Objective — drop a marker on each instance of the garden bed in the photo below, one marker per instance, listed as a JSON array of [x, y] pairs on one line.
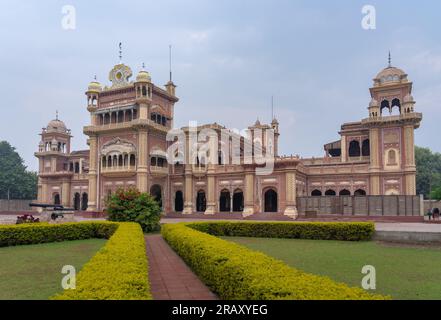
[[235, 272]]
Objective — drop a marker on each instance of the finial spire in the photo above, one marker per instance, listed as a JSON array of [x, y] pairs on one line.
[[390, 60], [272, 108], [94, 78], [143, 66], [170, 60], [56, 114], [120, 52]]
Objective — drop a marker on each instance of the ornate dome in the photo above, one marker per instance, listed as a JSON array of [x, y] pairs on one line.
[[373, 103], [390, 75], [56, 126], [143, 76], [408, 98], [94, 86]]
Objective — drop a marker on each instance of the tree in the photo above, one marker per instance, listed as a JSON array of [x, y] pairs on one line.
[[428, 166], [15, 181], [132, 205], [436, 193]]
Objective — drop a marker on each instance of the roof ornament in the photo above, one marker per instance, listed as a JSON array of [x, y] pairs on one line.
[[120, 52], [56, 114], [170, 60], [390, 60]]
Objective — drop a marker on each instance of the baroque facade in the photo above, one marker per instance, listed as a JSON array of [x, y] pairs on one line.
[[127, 139]]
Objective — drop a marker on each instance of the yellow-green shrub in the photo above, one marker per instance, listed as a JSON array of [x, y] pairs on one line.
[[348, 231], [119, 271], [235, 272], [11, 235]]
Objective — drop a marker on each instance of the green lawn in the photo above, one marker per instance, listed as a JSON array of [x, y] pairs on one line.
[[34, 271], [402, 272]]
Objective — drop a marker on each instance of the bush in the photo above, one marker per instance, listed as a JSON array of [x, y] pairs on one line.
[[119, 271], [132, 205], [348, 231], [236, 272], [33, 233]]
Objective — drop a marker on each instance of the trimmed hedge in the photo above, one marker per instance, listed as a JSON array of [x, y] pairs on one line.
[[238, 273], [12, 235], [347, 231], [118, 271]]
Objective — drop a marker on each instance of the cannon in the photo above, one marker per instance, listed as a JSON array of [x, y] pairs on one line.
[[55, 210]]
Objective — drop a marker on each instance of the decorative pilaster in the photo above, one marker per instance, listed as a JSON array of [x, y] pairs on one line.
[[290, 194], [142, 167], [93, 201], [65, 193], [249, 194], [211, 196], [375, 161], [188, 201]]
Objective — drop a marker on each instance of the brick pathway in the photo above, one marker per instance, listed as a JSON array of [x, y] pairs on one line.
[[170, 277]]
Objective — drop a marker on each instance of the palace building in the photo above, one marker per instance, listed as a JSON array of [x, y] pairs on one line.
[[129, 122]]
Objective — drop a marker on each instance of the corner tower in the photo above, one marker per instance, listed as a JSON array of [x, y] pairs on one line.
[[391, 123]]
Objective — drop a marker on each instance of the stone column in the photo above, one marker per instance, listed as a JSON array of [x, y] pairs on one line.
[[43, 197], [343, 149], [211, 196], [188, 199], [248, 209], [65, 193], [375, 165], [92, 203], [142, 167], [290, 194]]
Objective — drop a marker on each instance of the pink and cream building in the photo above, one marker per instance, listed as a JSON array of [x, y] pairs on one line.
[[129, 122]]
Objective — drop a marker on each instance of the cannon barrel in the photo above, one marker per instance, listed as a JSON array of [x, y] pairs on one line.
[[40, 205]]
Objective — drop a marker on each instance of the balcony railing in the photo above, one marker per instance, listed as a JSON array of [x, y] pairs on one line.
[[159, 170]]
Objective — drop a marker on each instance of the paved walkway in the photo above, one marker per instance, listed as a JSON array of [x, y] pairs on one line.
[[170, 277]]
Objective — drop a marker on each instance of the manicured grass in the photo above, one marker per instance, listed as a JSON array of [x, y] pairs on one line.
[[403, 272], [34, 271]]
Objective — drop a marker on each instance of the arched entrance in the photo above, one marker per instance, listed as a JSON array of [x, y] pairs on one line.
[[201, 202], [330, 193], [225, 201], [316, 193], [84, 201], [238, 201], [270, 201], [344, 192], [155, 192], [360, 193], [77, 201], [179, 201], [57, 199]]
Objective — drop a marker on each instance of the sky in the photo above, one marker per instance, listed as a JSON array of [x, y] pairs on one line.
[[229, 57]]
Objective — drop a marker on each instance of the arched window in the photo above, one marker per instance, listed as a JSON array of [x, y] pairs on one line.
[[359, 193], [316, 193], [330, 193], [344, 192], [384, 104], [144, 91], [238, 201], [395, 107], [155, 192], [84, 201], [201, 202], [179, 201], [365, 148], [270, 200], [57, 199], [132, 160], [354, 148], [77, 201], [391, 157], [224, 201], [120, 160]]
